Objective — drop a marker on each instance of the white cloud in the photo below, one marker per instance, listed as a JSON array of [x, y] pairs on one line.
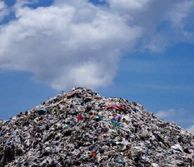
[[2, 5], [76, 43], [181, 116], [128, 4], [180, 12], [165, 114], [66, 45], [3, 10], [174, 29], [191, 129]]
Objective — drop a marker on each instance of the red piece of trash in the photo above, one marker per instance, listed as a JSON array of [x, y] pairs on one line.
[[93, 154], [80, 117], [116, 107]]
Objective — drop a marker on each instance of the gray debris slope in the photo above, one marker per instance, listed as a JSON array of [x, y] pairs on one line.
[[81, 128]]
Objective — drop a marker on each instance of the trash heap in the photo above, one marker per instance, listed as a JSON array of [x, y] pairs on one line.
[[81, 128]]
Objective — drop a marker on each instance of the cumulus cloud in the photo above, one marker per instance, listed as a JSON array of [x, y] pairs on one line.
[[67, 44], [75, 43]]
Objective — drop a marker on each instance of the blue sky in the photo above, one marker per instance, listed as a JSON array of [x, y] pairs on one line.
[[138, 50]]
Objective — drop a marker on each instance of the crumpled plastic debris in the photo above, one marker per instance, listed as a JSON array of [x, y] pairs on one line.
[[82, 128]]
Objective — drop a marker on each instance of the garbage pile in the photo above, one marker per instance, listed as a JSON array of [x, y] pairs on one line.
[[81, 128]]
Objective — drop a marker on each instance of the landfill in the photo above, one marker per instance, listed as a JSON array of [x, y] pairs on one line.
[[82, 128]]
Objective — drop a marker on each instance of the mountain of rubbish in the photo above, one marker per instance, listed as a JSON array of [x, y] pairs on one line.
[[82, 128]]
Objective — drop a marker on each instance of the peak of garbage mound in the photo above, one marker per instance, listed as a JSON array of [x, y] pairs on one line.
[[82, 128]]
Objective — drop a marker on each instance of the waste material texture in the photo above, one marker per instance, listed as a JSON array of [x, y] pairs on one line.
[[82, 128]]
